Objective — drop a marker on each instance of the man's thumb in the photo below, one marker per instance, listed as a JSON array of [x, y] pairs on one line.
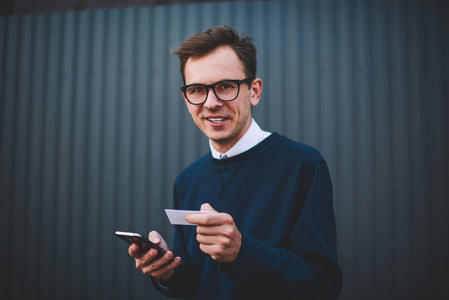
[[207, 207]]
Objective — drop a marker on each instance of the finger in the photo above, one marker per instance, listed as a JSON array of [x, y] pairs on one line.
[[220, 253], [133, 250], [146, 259], [168, 267], [211, 230], [150, 260], [214, 251], [212, 219], [155, 237], [173, 263], [211, 239], [207, 207], [163, 260]]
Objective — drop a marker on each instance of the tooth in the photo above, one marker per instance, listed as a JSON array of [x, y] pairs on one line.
[[216, 120]]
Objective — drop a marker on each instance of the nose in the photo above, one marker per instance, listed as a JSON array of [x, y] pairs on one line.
[[212, 101]]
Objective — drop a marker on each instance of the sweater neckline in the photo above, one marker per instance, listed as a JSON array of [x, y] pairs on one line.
[[243, 155]]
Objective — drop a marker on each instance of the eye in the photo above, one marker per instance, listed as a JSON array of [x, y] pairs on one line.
[[228, 85], [196, 89]]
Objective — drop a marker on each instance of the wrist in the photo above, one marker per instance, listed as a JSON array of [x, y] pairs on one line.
[[166, 279]]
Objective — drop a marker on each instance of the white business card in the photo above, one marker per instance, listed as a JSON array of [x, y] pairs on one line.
[[178, 217]]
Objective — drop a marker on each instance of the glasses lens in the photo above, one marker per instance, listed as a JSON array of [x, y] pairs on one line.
[[196, 93], [227, 90]]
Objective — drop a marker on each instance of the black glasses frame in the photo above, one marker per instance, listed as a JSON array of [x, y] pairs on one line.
[[212, 86]]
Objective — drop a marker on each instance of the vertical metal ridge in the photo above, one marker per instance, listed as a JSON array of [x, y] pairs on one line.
[[21, 145], [293, 70], [5, 212]]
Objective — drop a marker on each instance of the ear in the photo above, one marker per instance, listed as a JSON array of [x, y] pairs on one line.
[[256, 91]]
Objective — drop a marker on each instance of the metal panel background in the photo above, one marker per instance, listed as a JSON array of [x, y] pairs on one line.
[[93, 131]]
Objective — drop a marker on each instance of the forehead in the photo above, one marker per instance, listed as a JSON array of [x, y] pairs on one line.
[[223, 63]]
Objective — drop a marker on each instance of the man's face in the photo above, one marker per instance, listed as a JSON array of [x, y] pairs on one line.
[[224, 123]]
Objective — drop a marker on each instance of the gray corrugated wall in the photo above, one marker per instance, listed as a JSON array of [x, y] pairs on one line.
[[93, 131]]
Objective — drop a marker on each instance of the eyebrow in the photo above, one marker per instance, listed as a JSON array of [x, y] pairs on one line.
[[212, 82]]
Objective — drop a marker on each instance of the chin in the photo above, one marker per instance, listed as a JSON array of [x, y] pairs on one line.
[[219, 137]]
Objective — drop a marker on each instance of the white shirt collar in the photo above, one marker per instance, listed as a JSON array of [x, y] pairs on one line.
[[253, 136]]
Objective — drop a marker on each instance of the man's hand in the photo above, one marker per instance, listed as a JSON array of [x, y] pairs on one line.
[[161, 269], [217, 234]]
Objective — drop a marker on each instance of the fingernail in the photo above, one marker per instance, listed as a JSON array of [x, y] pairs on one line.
[[177, 260]]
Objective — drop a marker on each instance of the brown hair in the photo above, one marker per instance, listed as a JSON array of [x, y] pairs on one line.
[[204, 43]]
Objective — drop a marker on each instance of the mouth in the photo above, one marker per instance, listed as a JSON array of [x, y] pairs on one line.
[[216, 120]]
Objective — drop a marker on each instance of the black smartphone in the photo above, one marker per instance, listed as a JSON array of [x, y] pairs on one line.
[[144, 243]]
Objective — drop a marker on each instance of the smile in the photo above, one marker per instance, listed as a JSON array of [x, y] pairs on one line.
[[216, 120]]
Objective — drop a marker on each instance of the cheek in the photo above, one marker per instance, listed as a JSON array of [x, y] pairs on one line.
[[245, 107], [192, 109], [194, 113]]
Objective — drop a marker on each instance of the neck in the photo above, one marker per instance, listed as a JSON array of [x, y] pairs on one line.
[[223, 146]]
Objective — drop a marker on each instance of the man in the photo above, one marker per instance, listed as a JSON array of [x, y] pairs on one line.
[[270, 233]]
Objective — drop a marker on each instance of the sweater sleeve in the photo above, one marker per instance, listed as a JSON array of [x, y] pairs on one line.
[[181, 287], [308, 268]]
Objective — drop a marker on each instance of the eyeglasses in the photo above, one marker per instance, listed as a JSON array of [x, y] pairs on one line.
[[225, 90]]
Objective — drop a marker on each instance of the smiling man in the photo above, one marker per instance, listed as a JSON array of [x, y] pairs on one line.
[[222, 113], [270, 233]]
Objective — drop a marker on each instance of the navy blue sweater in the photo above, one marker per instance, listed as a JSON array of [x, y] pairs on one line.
[[280, 196]]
